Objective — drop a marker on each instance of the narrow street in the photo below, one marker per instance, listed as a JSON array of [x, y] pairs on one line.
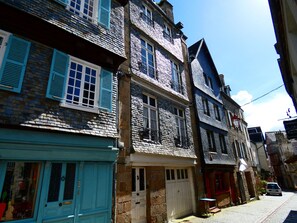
[[269, 209]]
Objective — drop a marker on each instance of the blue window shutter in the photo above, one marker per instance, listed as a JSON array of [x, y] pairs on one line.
[[63, 2], [105, 97], [104, 12], [58, 74], [14, 64]]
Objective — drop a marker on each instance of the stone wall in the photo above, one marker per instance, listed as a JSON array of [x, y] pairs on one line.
[[111, 39], [31, 107]]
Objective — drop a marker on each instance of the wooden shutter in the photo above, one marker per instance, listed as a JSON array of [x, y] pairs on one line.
[[58, 74], [63, 2], [104, 12], [105, 97], [14, 64]]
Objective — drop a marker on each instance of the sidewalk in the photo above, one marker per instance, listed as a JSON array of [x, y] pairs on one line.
[[256, 211]]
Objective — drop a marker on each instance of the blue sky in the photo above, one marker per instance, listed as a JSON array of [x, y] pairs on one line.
[[240, 37]]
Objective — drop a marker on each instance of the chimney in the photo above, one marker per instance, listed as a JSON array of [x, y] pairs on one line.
[[167, 8]]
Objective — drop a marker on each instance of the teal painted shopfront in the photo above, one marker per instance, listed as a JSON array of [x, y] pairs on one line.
[[55, 177]]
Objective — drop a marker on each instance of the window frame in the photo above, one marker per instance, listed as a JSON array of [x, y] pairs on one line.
[[80, 12], [223, 144], [205, 106], [96, 106], [145, 67], [147, 14], [180, 121], [167, 32], [211, 141], [217, 112], [150, 108], [175, 74], [5, 35]]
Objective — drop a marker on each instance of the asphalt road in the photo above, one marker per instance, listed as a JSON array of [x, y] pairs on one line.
[[269, 209]]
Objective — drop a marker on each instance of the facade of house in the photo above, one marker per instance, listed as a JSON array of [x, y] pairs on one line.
[[284, 18], [155, 169], [244, 175], [258, 147], [216, 155], [58, 108], [280, 150]]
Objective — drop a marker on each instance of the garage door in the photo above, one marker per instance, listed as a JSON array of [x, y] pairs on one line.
[[179, 194]]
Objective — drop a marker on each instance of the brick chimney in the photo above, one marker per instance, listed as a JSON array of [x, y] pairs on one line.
[[167, 8]]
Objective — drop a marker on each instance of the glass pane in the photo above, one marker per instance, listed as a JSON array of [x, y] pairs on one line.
[[167, 174], [19, 190], [133, 180], [186, 173], [172, 175], [69, 181], [178, 174], [55, 181], [141, 179]]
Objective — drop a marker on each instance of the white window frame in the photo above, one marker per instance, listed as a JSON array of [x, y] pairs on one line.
[[95, 108], [151, 108], [94, 18], [179, 115], [5, 35], [175, 69], [147, 14], [147, 52]]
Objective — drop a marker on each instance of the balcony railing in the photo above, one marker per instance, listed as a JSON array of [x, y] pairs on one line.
[[177, 86], [181, 141], [147, 19], [149, 134], [167, 36]]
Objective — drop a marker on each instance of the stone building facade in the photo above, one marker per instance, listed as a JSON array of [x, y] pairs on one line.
[[156, 164], [217, 159], [245, 169], [58, 109]]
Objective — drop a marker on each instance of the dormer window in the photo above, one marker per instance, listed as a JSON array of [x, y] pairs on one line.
[[147, 15], [167, 33]]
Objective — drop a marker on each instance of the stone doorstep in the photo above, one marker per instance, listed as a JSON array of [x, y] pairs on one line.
[[214, 210]]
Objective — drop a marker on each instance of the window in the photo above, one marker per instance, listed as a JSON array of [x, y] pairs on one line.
[[150, 123], [205, 79], [147, 15], [210, 83], [78, 84], [205, 106], [234, 150], [180, 137], [92, 10], [13, 60], [176, 77], [223, 144], [176, 174], [211, 142], [217, 112], [167, 33], [19, 192], [238, 148], [147, 59], [244, 152]]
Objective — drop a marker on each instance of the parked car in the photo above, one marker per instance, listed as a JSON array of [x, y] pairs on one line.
[[272, 188]]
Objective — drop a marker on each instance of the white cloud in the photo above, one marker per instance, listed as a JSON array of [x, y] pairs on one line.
[[267, 112]]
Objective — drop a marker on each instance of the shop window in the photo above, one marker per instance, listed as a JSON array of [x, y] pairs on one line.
[[19, 191]]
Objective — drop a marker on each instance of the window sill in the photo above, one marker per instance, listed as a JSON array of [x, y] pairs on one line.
[[80, 108]]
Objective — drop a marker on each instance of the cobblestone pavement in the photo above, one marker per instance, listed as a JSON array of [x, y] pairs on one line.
[[269, 209]]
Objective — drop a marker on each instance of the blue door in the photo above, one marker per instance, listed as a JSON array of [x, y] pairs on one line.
[[60, 184]]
